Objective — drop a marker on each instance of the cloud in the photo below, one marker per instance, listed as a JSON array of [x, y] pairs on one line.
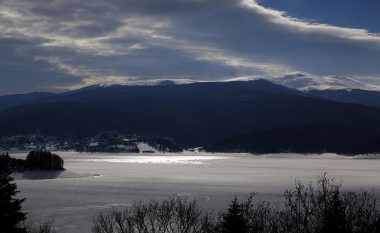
[[21, 70], [76, 43], [280, 18]]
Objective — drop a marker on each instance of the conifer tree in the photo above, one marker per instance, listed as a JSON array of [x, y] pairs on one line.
[[233, 221], [11, 215]]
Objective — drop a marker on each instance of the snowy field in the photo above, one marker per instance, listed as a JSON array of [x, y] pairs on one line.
[[100, 182]]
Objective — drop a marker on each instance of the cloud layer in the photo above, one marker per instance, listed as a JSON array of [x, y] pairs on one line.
[[66, 44]]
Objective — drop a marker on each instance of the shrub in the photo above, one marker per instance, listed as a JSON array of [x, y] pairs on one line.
[[174, 215], [314, 208], [44, 160], [45, 227], [325, 208], [322, 208]]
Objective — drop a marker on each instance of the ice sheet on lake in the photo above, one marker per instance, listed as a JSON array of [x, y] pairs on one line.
[[213, 179], [194, 160]]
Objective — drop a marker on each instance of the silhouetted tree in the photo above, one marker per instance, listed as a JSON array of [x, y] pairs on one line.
[[234, 220], [44, 160], [323, 208], [11, 215]]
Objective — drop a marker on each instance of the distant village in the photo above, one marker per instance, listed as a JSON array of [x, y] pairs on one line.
[[105, 142]]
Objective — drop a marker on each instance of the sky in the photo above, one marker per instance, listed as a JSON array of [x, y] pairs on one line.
[[57, 45]]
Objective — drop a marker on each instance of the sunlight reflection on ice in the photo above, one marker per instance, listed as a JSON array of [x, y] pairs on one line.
[[194, 160]]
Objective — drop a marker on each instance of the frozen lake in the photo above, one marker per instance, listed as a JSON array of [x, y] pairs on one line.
[[99, 182]]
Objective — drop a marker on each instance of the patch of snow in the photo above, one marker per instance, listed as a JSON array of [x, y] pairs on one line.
[[151, 82], [94, 144], [305, 82], [145, 147], [196, 149]]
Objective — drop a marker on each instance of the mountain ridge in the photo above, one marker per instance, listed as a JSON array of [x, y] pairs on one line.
[[193, 115], [329, 88], [305, 82]]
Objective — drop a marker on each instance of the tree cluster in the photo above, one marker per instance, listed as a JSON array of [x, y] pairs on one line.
[[319, 208], [44, 160], [174, 215]]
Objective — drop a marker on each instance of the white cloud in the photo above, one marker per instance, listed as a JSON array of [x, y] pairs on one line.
[[282, 19]]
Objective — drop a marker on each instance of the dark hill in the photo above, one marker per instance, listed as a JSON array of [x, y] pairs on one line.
[[369, 98], [196, 114], [356, 138], [10, 101]]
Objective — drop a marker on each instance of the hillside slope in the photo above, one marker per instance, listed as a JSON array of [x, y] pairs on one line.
[[197, 114]]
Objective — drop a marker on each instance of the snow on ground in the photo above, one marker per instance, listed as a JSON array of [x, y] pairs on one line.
[[304, 81], [145, 147]]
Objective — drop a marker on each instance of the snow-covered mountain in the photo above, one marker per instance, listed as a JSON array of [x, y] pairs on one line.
[[150, 82], [302, 81], [305, 82]]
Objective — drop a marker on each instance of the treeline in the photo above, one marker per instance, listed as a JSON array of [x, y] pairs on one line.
[[344, 139], [35, 160], [109, 142], [322, 208]]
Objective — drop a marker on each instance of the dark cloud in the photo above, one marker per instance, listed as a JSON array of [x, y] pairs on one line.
[[22, 71]]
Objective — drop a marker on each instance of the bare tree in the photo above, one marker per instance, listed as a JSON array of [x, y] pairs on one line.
[[313, 208], [173, 215], [45, 227]]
